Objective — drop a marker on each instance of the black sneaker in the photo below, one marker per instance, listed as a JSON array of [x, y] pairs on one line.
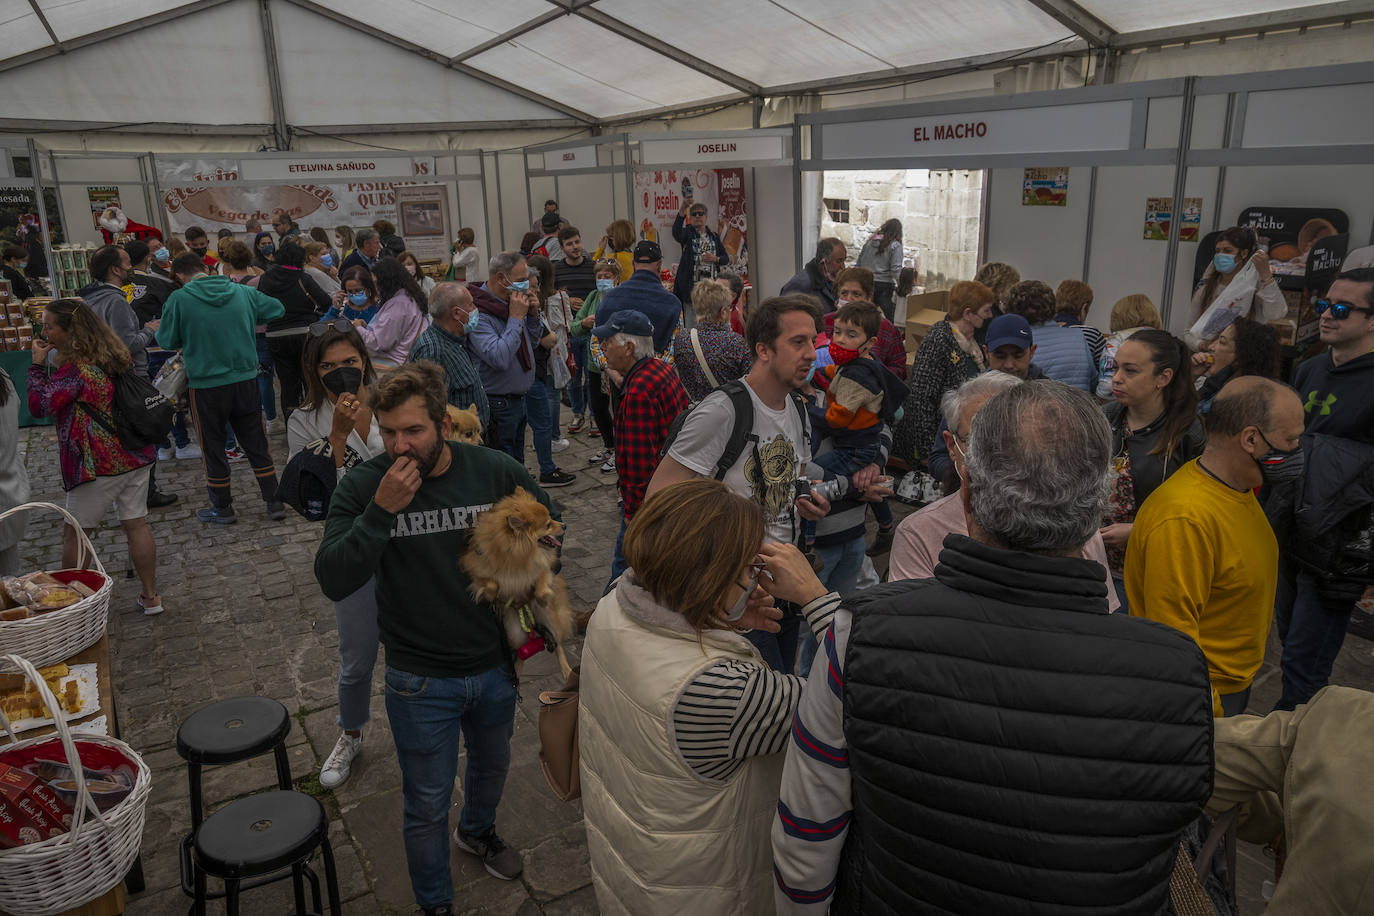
[[499, 859], [157, 499], [223, 516], [556, 478], [442, 909], [276, 511]]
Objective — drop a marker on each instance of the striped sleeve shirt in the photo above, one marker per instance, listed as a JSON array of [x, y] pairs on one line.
[[815, 800], [736, 710]]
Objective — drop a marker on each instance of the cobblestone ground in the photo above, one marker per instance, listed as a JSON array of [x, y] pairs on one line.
[[245, 616]]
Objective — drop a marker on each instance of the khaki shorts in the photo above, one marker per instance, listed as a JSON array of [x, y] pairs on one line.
[[128, 493]]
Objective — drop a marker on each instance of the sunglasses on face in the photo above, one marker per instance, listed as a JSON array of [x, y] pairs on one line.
[[341, 325], [1340, 310]]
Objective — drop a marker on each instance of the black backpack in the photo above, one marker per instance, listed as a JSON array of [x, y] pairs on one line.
[[742, 431], [142, 415]]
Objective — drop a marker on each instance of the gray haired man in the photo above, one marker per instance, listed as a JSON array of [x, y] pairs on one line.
[[996, 713], [452, 315], [369, 247]]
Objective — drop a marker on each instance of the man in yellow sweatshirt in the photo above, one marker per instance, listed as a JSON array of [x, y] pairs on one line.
[[1202, 557]]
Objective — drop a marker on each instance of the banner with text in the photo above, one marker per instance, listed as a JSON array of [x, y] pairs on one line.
[[214, 207], [660, 194]]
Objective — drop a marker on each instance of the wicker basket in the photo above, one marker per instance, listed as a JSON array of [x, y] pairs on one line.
[[67, 871], [46, 639]]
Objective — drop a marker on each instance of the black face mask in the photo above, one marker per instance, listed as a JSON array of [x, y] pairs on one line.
[[1278, 466], [344, 379]]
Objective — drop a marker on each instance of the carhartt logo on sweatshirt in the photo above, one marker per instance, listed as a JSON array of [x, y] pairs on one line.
[[433, 521]]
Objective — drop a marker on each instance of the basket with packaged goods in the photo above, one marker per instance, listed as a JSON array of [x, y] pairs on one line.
[[71, 811], [49, 617]]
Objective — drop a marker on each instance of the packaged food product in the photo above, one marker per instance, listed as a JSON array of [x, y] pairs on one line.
[[23, 819], [15, 779], [41, 593]]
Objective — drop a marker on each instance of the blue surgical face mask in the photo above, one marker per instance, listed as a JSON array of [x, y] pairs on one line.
[[162, 254], [358, 298], [810, 374], [327, 259], [1224, 263], [605, 284], [268, 250], [471, 325], [522, 286]]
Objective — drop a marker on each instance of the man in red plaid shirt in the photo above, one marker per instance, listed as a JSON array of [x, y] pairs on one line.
[[651, 397]]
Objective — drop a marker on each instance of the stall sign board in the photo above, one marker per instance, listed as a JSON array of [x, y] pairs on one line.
[[174, 172], [1045, 188], [578, 157], [660, 195], [337, 168], [1288, 234], [1090, 126], [229, 206], [723, 148], [422, 220]]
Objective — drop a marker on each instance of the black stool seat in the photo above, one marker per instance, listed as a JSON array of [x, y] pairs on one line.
[[260, 834], [233, 730]]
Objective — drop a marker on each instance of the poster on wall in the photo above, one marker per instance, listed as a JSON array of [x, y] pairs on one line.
[[661, 193], [229, 206], [18, 214], [1290, 234], [1159, 213], [422, 220], [101, 198], [1045, 188]]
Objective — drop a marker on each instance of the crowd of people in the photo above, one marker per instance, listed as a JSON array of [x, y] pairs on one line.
[[1120, 520]]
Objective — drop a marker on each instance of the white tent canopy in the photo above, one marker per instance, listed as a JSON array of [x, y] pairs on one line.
[[284, 69]]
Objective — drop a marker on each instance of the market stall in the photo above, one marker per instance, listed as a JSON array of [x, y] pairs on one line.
[[590, 177], [745, 179], [1117, 184]]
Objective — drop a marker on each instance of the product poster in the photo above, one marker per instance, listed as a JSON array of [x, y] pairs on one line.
[[1159, 212], [1291, 234], [422, 220], [101, 198], [229, 206], [18, 214], [661, 193], [1045, 188]]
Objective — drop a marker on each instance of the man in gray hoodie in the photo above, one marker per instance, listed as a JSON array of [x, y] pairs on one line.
[[111, 269]]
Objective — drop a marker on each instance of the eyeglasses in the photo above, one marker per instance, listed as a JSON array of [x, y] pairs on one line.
[[1340, 310], [342, 325], [756, 569]]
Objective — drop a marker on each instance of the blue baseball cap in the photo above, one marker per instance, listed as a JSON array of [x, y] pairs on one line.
[[1008, 330], [625, 321]]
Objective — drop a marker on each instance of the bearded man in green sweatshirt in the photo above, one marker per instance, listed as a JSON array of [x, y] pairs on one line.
[[405, 518]]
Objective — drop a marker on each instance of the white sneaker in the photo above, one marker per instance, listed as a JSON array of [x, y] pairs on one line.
[[609, 465], [165, 454], [274, 426], [560, 444], [340, 761], [189, 450]]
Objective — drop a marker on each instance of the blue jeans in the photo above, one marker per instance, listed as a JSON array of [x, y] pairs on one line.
[[179, 434], [577, 388], [779, 650], [427, 716], [540, 404], [1312, 629], [508, 424], [356, 617], [618, 565], [265, 373], [841, 572], [845, 462]]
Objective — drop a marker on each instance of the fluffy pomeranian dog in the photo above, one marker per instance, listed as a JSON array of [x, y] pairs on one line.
[[511, 560], [467, 425]]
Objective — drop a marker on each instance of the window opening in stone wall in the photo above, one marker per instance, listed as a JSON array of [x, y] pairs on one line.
[[838, 208]]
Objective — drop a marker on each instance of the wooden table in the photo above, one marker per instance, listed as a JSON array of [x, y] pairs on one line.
[[112, 902]]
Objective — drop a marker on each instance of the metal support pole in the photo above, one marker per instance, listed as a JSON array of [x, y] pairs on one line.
[[629, 180], [797, 201], [1185, 142], [280, 132], [1088, 232], [529, 204], [757, 105], [1221, 169], [500, 204], [486, 211], [36, 171]]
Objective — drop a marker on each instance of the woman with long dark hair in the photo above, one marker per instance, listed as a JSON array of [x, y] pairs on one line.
[[335, 412], [1235, 247], [264, 251], [1155, 431], [399, 320], [1245, 348], [97, 470], [883, 254], [357, 296]]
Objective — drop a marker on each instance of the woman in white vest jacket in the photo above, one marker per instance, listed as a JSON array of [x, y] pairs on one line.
[[681, 723]]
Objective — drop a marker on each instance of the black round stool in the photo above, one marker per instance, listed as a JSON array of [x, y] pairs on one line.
[[259, 835], [229, 731]]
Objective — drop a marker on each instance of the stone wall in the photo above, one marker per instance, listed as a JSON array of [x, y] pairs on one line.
[[939, 210]]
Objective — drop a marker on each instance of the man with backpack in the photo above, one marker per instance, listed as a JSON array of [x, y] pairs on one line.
[[754, 435], [211, 320], [548, 245]]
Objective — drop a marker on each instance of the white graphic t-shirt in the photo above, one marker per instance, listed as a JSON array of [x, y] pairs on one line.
[[764, 473]]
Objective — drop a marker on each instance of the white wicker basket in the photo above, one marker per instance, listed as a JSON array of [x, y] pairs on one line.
[[67, 871], [46, 639]]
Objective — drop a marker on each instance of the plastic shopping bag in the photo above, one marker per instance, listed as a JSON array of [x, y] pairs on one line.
[[1231, 303]]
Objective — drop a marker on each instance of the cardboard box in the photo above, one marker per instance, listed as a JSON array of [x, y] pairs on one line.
[[922, 313]]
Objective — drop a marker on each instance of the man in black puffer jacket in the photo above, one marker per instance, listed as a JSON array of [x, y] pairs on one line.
[[991, 740], [304, 301]]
